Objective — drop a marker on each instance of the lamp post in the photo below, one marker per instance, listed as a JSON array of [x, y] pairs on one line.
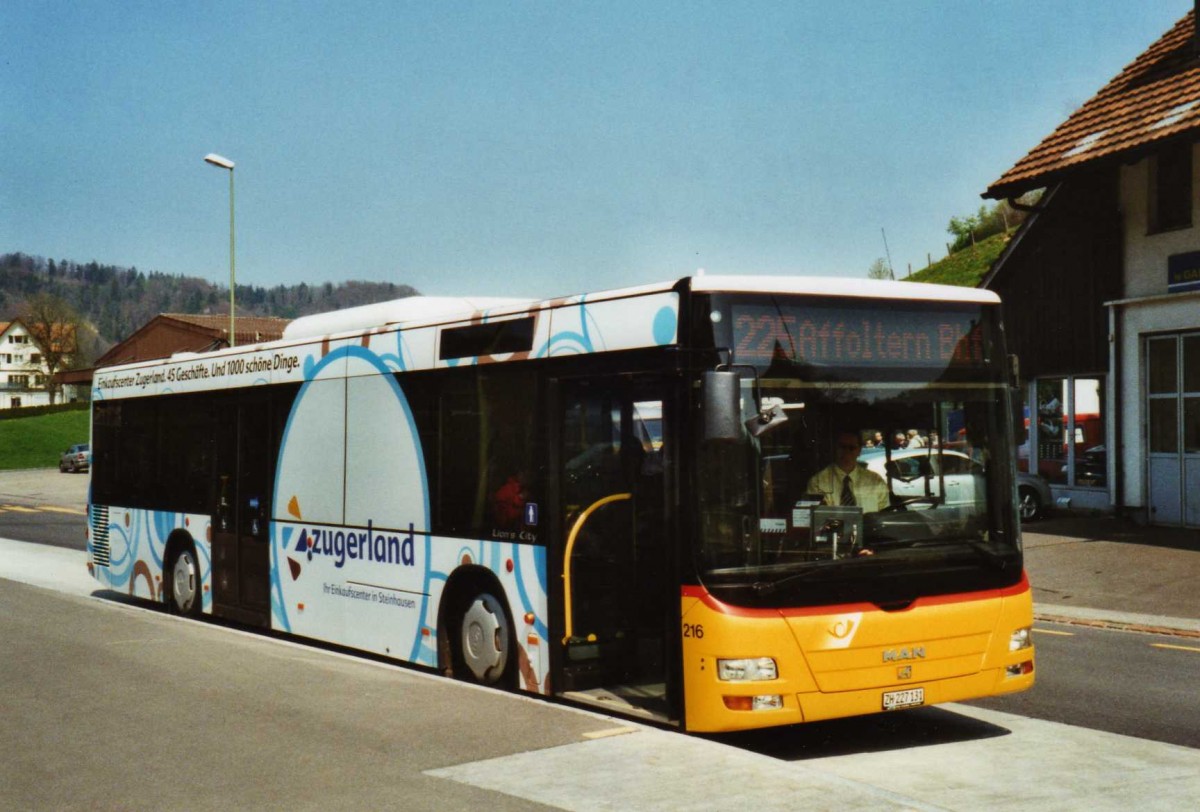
[[224, 163]]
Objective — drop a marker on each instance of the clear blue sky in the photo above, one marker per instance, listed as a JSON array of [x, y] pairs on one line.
[[530, 148]]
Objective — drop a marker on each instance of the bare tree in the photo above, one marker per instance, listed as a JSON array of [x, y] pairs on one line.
[[54, 326], [879, 270]]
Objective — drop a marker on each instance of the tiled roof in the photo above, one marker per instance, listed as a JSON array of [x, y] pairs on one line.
[[63, 335], [1157, 97], [250, 329]]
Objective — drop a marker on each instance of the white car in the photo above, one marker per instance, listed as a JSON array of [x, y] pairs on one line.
[[920, 472]]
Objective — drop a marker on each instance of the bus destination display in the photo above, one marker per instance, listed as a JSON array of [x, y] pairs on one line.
[[857, 337]]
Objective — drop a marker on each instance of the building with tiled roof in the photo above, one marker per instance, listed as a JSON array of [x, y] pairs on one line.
[[1102, 290], [1155, 99], [23, 370], [169, 333]]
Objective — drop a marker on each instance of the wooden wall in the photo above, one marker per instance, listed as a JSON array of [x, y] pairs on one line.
[[1057, 275]]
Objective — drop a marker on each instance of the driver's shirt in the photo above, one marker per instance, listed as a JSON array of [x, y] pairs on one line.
[[870, 489]]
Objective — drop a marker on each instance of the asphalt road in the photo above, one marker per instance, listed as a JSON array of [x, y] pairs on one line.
[[44, 506], [111, 707], [1135, 684]]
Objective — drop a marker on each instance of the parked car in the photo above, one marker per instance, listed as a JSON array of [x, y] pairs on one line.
[[1033, 496], [75, 459], [911, 468]]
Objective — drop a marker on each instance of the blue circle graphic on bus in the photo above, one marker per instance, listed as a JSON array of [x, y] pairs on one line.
[[664, 326], [351, 504]]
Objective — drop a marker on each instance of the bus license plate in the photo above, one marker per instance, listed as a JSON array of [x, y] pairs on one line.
[[895, 700]]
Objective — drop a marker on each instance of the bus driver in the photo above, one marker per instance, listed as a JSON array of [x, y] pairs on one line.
[[845, 482]]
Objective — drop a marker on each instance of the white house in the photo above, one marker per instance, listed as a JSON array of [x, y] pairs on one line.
[[23, 372]]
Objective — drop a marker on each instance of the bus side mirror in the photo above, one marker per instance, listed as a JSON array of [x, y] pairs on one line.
[[721, 394]]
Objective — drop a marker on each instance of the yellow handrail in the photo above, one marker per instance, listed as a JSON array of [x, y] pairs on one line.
[[583, 517]]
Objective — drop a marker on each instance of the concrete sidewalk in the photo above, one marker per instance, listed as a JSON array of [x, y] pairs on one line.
[[1112, 572]]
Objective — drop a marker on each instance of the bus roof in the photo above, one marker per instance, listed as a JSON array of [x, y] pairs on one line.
[[842, 286], [425, 310], [604, 321]]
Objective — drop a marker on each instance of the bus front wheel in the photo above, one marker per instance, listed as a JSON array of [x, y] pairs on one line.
[[183, 583], [484, 640]]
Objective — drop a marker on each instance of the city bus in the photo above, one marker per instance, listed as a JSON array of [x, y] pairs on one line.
[[605, 498]]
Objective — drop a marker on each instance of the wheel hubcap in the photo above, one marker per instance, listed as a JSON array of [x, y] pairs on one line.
[[485, 638], [184, 582]]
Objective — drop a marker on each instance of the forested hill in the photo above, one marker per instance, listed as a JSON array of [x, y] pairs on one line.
[[116, 301]]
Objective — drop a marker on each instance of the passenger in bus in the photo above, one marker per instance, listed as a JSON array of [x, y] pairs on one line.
[[508, 502], [845, 482]]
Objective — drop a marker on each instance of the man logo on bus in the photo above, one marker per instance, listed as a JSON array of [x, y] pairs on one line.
[[355, 545]]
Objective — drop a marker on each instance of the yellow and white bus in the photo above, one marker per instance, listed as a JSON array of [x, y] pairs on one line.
[[607, 498]]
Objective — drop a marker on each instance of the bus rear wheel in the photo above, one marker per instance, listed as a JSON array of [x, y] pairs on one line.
[[183, 583], [484, 640]]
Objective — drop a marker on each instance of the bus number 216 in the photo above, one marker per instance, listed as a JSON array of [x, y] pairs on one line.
[[695, 630]]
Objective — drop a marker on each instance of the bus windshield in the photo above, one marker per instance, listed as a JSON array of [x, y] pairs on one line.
[[874, 463]]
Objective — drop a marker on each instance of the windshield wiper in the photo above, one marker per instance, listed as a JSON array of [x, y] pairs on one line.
[[983, 551], [993, 559], [812, 573]]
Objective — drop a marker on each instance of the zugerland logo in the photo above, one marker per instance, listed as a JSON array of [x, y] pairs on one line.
[[358, 545]]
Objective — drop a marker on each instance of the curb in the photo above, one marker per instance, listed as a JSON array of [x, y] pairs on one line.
[[1100, 619]]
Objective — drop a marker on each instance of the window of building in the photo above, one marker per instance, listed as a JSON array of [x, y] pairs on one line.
[[1170, 193], [1069, 432]]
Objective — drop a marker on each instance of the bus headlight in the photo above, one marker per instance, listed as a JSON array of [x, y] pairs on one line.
[[1020, 639], [750, 669]]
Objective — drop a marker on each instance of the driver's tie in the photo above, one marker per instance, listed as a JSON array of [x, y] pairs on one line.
[[847, 494]]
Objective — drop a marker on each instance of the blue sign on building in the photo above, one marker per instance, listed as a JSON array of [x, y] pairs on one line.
[[1183, 272]]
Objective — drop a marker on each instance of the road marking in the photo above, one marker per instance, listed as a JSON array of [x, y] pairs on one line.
[[1175, 648], [55, 509], [1054, 632], [140, 642], [612, 731], [42, 509]]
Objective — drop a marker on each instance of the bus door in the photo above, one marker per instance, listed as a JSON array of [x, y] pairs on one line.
[[615, 551], [240, 537]]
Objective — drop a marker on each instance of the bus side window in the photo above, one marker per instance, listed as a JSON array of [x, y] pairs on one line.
[[485, 470]]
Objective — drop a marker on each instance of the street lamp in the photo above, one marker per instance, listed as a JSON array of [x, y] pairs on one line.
[[224, 163]]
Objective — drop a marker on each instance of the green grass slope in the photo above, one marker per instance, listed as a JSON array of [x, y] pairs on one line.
[[36, 442], [967, 267]]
